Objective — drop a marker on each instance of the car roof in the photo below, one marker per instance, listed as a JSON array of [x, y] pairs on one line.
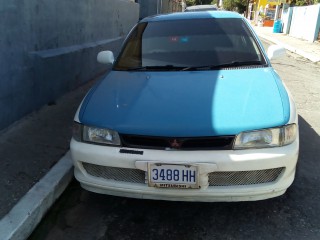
[[200, 7], [191, 15]]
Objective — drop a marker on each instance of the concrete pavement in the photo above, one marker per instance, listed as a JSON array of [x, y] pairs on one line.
[[301, 47], [33, 177]]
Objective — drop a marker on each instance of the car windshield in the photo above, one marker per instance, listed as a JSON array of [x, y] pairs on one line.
[[189, 44]]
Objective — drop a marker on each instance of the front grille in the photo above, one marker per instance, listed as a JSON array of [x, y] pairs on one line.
[[182, 143], [215, 178], [244, 177], [117, 174]]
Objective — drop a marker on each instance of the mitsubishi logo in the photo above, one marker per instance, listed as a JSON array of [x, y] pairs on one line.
[[175, 144]]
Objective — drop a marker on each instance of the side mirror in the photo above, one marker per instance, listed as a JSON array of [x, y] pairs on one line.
[[105, 57], [276, 51]]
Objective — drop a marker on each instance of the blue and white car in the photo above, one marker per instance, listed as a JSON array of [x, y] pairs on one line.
[[192, 110]]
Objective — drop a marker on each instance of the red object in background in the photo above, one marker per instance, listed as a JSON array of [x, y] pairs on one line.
[[268, 23]]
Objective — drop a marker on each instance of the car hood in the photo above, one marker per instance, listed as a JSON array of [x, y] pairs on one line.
[[185, 104]]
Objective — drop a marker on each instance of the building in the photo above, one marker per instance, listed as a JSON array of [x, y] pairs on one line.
[[264, 12]]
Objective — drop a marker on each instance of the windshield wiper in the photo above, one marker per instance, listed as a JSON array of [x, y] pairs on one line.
[[157, 68], [224, 65]]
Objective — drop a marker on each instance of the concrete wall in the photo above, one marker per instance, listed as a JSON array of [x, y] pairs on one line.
[[148, 7], [305, 22], [153, 7], [49, 47], [168, 6], [286, 17]]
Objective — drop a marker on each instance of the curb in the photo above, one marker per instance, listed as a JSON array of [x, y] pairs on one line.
[[304, 54], [28, 212]]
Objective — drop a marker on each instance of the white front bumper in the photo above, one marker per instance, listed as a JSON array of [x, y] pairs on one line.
[[208, 161]]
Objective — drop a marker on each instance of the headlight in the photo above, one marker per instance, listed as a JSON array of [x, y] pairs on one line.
[[95, 135], [265, 138]]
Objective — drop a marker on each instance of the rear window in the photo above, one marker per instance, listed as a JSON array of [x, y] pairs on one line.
[[188, 43]]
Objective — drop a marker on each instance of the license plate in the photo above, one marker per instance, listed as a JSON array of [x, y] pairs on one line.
[[173, 176]]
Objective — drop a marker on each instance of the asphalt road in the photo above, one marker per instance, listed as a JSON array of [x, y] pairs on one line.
[[80, 214]]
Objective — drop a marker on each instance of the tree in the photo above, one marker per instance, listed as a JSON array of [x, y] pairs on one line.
[[197, 2], [235, 5], [304, 2], [215, 2]]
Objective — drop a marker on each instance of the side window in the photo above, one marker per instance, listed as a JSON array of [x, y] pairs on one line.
[[131, 55]]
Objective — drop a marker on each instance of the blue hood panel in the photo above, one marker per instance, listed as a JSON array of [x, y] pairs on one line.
[[186, 104]]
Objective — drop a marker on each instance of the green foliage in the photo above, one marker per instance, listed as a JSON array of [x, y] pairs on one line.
[[190, 2], [215, 2], [304, 2], [197, 2], [235, 5], [300, 3]]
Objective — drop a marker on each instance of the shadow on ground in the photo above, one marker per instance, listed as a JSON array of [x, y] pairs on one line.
[[83, 215]]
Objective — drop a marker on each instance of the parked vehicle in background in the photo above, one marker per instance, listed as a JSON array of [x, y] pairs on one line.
[[192, 110], [197, 8]]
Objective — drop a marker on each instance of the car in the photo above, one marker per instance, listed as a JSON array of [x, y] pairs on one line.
[[192, 110], [197, 8]]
